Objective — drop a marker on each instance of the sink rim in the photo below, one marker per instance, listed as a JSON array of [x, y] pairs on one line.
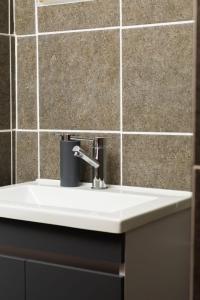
[[167, 202]]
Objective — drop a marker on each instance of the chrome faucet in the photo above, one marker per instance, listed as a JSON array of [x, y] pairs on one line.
[[97, 162]]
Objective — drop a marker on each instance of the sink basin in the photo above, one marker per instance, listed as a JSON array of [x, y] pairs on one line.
[[115, 210], [64, 199]]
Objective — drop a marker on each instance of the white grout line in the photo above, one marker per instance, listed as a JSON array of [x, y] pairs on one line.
[[69, 130], [10, 70], [25, 35], [11, 125], [38, 95], [5, 130], [159, 24], [79, 30], [157, 133], [16, 82], [14, 146], [9, 7], [5, 34], [121, 96], [108, 28], [107, 132], [25, 130]]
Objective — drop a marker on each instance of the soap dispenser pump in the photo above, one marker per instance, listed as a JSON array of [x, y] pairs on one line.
[[69, 164]]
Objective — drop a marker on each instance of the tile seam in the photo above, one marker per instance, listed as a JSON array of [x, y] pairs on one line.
[[9, 7], [16, 103], [121, 95], [5, 34], [10, 71], [11, 125], [107, 131], [118, 27], [5, 130], [37, 87]]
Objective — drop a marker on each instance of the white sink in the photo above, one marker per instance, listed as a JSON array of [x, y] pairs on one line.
[[61, 198], [116, 210]]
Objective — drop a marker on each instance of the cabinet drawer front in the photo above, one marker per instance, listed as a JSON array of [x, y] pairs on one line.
[[54, 282], [61, 240], [12, 279]]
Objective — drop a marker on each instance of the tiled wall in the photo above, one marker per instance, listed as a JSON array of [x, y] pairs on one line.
[[122, 68], [5, 94]]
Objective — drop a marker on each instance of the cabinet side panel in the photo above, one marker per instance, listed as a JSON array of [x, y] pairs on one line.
[[158, 259]]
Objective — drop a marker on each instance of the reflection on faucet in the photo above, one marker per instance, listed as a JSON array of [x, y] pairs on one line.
[[79, 152]]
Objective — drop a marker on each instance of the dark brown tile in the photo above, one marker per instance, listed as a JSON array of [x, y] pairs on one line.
[[4, 83], [157, 79], [5, 159], [197, 237], [155, 11], [27, 159], [27, 90], [157, 161], [25, 16], [13, 82], [11, 17], [4, 13], [79, 89], [197, 100], [50, 158], [91, 14], [13, 157]]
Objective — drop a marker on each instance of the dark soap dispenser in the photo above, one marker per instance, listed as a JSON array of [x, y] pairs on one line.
[[69, 164]]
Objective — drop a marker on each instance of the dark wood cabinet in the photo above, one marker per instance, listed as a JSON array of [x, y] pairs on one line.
[[12, 278], [58, 263], [45, 281], [46, 262]]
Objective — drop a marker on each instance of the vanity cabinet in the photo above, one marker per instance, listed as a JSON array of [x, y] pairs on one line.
[[48, 262], [12, 278]]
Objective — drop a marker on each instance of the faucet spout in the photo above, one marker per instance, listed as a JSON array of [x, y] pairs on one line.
[[79, 152]]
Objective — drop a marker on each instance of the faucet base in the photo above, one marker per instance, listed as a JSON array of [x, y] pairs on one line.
[[99, 184]]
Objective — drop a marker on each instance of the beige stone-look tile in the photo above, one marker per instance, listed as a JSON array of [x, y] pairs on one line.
[[90, 14], [27, 90], [50, 157], [157, 79], [5, 158], [156, 11], [4, 10], [79, 80], [27, 159], [4, 83], [157, 161], [25, 16]]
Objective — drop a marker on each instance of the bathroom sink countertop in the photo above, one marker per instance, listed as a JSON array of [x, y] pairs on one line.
[[115, 210]]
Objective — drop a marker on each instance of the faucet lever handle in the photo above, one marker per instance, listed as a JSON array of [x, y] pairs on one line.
[[79, 152]]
